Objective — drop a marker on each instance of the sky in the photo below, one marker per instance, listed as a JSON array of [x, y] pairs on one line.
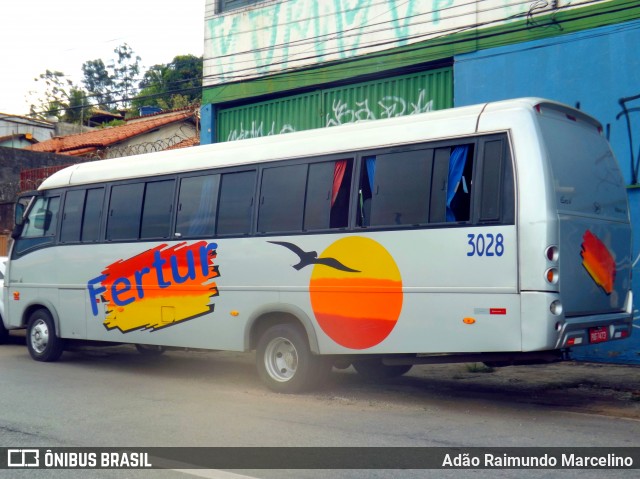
[[36, 35]]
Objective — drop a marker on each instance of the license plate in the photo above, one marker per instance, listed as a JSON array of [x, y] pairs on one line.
[[598, 335]]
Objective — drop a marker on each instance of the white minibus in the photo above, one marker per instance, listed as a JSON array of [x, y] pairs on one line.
[[496, 233]]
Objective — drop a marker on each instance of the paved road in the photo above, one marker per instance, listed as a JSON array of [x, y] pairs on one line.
[[115, 397]]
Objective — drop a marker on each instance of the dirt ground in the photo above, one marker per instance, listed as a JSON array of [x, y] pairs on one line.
[[596, 388]]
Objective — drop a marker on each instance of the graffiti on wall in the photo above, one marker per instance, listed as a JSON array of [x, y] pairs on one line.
[[342, 112], [388, 107], [257, 129], [284, 35], [631, 105]]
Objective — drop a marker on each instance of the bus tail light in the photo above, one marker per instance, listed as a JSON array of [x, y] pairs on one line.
[[552, 253], [551, 275]]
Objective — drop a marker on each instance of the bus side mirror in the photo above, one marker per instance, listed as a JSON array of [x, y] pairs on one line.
[[18, 214]]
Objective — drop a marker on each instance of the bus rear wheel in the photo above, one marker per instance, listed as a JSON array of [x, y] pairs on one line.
[[285, 362], [376, 370], [42, 341]]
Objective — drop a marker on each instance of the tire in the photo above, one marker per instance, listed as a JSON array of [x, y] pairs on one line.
[[286, 364], [150, 349], [4, 334], [42, 340], [376, 370]]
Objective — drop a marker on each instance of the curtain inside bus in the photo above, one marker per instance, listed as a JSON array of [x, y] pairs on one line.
[[457, 162]]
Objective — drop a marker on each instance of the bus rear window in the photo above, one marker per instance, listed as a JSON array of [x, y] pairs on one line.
[[586, 176]]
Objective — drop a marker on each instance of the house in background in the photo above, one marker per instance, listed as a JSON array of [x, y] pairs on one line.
[[145, 134], [21, 131]]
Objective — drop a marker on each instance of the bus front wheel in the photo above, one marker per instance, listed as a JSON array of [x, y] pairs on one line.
[[285, 362], [42, 341]]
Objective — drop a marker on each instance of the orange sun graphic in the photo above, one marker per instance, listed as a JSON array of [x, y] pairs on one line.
[[357, 305]]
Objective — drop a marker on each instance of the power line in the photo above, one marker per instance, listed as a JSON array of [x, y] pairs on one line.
[[439, 40]]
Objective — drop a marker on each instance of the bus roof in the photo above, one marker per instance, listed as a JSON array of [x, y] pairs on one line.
[[454, 122]]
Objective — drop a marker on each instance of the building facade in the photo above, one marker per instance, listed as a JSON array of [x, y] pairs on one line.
[[278, 66]]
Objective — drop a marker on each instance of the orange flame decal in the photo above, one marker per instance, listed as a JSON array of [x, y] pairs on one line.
[[598, 261]]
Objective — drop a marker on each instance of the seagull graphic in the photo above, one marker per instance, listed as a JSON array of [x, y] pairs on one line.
[[311, 257]]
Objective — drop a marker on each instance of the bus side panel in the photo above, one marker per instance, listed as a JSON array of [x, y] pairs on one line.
[[445, 323], [419, 291]]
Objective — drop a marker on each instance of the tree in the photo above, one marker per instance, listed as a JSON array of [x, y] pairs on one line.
[[125, 71], [55, 97], [98, 83], [174, 85], [79, 108]]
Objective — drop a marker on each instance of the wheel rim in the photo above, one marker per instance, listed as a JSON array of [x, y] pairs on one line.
[[39, 336], [281, 359]]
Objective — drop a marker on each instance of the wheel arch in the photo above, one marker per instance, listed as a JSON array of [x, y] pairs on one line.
[[278, 313], [44, 304]]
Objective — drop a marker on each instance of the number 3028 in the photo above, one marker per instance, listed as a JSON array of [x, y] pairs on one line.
[[485, 245]]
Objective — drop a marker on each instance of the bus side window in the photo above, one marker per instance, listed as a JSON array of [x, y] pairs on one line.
[[82, 215], [43, 218], [439, 180], [236, 203], [497, 203], [395, 189], [197, 206], [367, 176], [40, 225], [72, 216], [282, 198], [157, 209], [327, 196], [125, 209], [92, 217]]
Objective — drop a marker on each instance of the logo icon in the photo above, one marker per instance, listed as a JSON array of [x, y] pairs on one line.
[[23, 458]]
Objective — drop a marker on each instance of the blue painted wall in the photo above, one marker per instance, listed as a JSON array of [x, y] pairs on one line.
[[593, 69]]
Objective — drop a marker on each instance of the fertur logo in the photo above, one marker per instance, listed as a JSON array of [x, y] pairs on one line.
[[160, 287]]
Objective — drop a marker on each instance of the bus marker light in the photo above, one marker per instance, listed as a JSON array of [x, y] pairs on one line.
[[468, 320], [234, 313], [574, 341], [556, 309]]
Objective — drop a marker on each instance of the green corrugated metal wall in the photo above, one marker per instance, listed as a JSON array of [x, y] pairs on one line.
[[389, 97]]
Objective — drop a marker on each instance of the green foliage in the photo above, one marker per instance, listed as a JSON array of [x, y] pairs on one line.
[[78, 107], [125, 71], [115, 87], [98, 83], [54, 99], [175, 85]]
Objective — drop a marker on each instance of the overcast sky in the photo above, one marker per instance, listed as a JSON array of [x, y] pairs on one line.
[[36, 35]]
